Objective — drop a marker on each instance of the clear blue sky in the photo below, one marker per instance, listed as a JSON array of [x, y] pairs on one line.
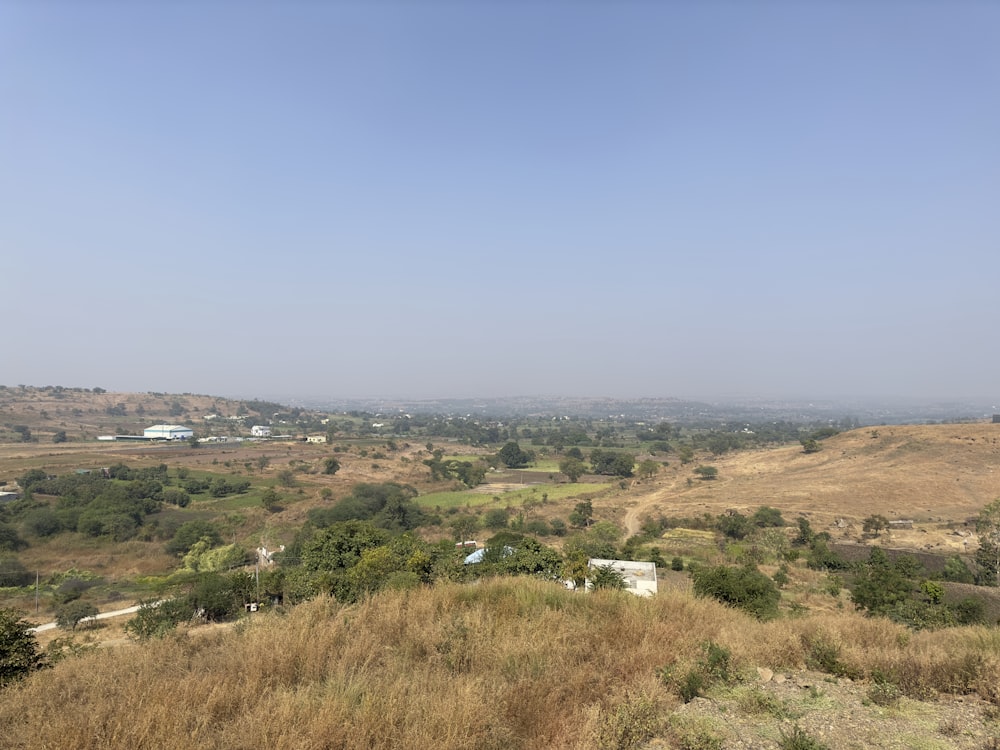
[[492, 199]]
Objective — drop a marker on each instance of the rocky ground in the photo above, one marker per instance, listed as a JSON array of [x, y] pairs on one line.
[[835, 713]]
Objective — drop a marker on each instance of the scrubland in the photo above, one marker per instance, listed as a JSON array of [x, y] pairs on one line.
[[506, 663]]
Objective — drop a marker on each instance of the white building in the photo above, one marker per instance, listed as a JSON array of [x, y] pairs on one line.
[[168, 432], [260, 430], [639, 577], [316, 439]]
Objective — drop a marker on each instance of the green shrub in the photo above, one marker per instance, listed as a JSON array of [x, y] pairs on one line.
[[156, 619], [744, 587], [798, 739]]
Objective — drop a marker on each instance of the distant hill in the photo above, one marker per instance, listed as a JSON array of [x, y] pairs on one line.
[[85, 413]]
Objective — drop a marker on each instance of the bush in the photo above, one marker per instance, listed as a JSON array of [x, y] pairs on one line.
[[19, 652], [798, 739], [744, 587], [13, 573], [70, 615], [156, 619]]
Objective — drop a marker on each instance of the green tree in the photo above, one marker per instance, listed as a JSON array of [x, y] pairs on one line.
[[744, 587], [810, 445], [880, 584], [707, 472], [70, 615], [875, 525], [606, 577], [611, 463], [648, 468], [286, 478], [271, 500], [513, 457], [734, 525], [583, 514], [988, 555], [155, 619], [767, 517], [19, 654], [10, 540], [59, 437], [331, 466], [573, 468], [188, 534], [340, 546]]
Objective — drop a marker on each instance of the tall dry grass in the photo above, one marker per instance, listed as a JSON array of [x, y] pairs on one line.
[[504, 664]]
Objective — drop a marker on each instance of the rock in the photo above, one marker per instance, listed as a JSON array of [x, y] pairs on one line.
[[765, 674], [780, 679]]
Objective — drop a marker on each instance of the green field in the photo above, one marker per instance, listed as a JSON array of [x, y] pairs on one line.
[[472, 498]]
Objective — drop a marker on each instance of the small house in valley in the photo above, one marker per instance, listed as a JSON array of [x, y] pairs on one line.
[[639, 577]]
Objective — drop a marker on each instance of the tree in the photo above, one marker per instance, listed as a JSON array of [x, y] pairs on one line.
[[331, 466], [573, 468], [583, 514], [707, 473], [875, 524], [734, 525], [10, 540], [767, 517], [19, 652], [988, 555], [188, 534], [23, 432], [606, 577], [810, 445], [271, 500], [648, 468], [69, 615], [286, 478], [513, 457], [880, 584], [611, 463], [59, 437]]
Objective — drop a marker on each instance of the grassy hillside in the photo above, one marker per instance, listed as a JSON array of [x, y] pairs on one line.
[[519, 663]]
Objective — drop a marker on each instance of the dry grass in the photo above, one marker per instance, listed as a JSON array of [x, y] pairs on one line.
[[937, 475], [503, 664]]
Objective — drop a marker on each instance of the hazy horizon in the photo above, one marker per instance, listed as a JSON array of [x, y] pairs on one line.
[[438, 200]]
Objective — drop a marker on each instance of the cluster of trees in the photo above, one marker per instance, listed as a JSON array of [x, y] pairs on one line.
[[469, 473], [611, 463], [388, 506], [902, 590]]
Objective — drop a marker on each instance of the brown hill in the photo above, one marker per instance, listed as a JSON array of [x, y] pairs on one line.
[[938, 476], [84, 413]]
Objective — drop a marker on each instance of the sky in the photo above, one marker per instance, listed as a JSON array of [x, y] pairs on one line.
[[471, 199]]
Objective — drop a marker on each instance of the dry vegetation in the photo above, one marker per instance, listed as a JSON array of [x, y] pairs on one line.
[[507, 664], [521, 663]]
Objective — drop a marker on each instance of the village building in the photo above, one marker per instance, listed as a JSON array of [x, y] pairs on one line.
[[167, 432], [639, 577]]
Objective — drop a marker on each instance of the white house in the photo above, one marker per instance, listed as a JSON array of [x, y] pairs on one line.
[[260, 430], [316, 439], [168, 432], [639, 577]]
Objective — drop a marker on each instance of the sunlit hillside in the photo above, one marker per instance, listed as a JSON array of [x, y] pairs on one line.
[[519, 663]]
